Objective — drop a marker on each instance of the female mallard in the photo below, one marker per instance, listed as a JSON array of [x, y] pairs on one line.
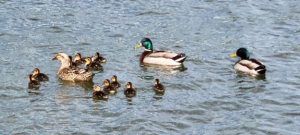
[[99, 94], [37, 75], [98, 58], [33, 84], [108, 88], [114, 82], [246, 65], [67, 73], [158, 87], [92, 65], [129, 91], [159, 57]]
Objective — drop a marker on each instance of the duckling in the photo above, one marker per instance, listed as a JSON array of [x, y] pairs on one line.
[[98, 58], [114, 82], [129, 91], [246, 65], [37, 75], [92, 65], [99, 94], [78, 60], [164, 58], [108, 88], [72, 64], [66, 73], [158, 87], [33, 84]]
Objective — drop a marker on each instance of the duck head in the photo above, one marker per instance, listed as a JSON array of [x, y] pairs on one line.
[[243, 53], [146, 43], [64, 59], [106, 83], [114, 78], [129, 85], [77, 57], [97, 88], [157, 81], [36, 71], [88, 60]]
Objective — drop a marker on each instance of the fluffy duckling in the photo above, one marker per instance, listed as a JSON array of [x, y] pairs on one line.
[[158, 87], [108, 88], [92, 65], [66, 73], [129, 91], [165, 58], [247, 65], [98, 58], [99, 94], [33, 84], [114, 82], [37, 75], [78, 60]]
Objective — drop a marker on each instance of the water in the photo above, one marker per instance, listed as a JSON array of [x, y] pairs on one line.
[[207, 97]]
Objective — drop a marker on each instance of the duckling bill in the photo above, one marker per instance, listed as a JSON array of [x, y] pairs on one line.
[[248, 65]]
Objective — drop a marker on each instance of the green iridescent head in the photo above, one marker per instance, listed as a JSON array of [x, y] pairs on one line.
[[146, 43], [243, 53]]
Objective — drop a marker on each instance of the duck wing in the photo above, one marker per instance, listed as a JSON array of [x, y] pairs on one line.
[[168, 55]]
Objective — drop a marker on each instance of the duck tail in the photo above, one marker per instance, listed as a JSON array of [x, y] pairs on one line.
[[261, 69], [179, 58]]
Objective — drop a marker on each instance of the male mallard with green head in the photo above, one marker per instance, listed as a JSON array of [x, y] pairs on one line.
[[159, 57], [37, 75], [98, 58], [92, 65], [158, 87], [99, 94], [33, 84], [114, 82], [246, 65], [67, 73], [129, 90], [108, 88]]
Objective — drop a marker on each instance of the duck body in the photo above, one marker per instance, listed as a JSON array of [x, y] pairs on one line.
[[67, 73], [99, 94], [37, 75], [108, 88], [129, 91], [149, 56], [94, 67], [114, 82], [98, 58], [248, 65]]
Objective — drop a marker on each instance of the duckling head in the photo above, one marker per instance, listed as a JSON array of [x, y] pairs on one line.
[[129, 85], [157, 81], [64, 59], [243, 53], [30, 77], [77, 57], [114, 78], [146, 43], [88, 60], [106, 82], [97, 88], [35, 71]]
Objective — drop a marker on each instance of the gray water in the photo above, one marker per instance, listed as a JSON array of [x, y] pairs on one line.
[[206, 97]]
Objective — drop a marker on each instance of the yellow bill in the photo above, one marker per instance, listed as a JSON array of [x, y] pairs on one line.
[[138, 45], [233, 55]]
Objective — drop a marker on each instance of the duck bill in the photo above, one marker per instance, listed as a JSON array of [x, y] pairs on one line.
[[55, 58], [138, 45], [233, 55]]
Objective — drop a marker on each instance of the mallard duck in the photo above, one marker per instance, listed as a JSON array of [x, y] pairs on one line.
[[129, 90], [89, 65], [66, 73], [78, 60], [37, 75], [159, 57], [114, 82], [246, 65], [99, 94], [98, 58], [33, 84], [158, 87], [108, 88]]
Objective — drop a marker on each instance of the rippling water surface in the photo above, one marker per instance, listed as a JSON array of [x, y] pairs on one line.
[[206, 97]]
